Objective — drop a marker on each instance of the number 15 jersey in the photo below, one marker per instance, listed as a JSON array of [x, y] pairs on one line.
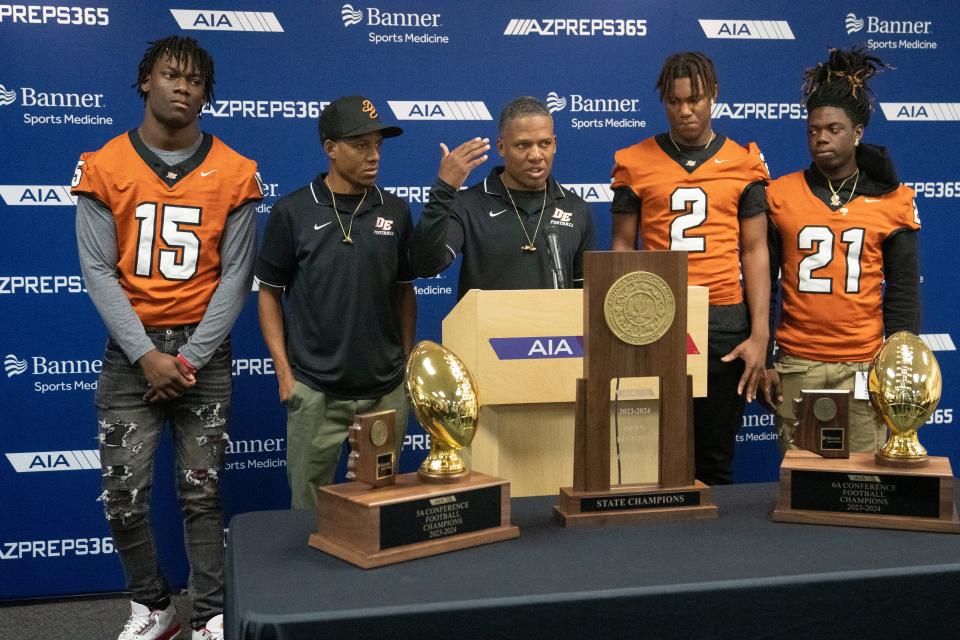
[[832, 271], [693, 210], [169, 220]]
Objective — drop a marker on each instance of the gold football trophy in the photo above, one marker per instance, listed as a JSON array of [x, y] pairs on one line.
[[905, 387], [444, 396]]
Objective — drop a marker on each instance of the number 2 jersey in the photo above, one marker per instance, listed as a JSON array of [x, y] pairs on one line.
[[832, 270], [169, 220], [693, 210]]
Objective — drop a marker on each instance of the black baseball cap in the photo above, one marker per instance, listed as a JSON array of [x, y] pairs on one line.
[[350, 116]]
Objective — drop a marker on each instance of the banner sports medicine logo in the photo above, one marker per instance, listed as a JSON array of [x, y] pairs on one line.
[[439, 110], [875, 25], [595, 106], [13, 365], [582, 27], [64, 103], [747, 29], [199, 20], [921, 111], [394, 27]]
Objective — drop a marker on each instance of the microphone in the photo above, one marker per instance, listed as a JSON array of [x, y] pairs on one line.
[[552, 237]]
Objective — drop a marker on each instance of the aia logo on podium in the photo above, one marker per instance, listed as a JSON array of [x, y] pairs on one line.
[[543, 347]]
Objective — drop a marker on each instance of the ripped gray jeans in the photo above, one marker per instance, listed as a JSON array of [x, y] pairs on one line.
[[128, 433]]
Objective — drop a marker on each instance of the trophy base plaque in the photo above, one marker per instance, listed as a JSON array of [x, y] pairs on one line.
[[376, 527], [858, 492], [629, 504]]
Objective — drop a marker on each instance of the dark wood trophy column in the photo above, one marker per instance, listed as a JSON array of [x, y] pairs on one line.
[[634, 325]]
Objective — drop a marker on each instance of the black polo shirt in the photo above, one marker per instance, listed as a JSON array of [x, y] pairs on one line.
[[340, 319], [482, 224]]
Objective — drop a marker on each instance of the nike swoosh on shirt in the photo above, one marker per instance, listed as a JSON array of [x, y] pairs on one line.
[[317, 227], [494, 215], [204, 174], [718, 160], [872, 199]]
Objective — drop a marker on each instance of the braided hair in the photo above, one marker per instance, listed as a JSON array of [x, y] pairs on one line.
[[841, 82], [691, 64], [182, 50]]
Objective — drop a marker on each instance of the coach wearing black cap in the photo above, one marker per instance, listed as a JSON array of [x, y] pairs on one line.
[[336, 252]]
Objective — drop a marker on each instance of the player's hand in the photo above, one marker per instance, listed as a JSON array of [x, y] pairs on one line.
[[456, 165], [772, 391], [164, 376], [286, 382], [753, 352]]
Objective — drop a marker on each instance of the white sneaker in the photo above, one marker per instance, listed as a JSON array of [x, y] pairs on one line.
[[213, 630], [147, 624]]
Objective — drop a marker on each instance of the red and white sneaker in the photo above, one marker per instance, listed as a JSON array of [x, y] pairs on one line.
[[150, 624], [213, 630]]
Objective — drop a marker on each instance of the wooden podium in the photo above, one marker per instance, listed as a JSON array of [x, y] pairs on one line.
[[525, 349]]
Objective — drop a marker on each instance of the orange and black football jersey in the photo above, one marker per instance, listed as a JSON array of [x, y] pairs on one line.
[[832, 271], [693, 211], [169, 220]]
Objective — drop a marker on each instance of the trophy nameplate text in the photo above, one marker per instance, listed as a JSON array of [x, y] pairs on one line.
[[822, 421]]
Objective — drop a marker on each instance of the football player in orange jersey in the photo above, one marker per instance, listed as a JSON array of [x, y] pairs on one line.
[[693, 190], [839, 229], [166, 237]]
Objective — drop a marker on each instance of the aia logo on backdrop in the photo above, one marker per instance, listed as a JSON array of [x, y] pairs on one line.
[[34, 461], [592, 192], [37, 195], [747, 29], [439, 110], [921, 111], [195, 20]]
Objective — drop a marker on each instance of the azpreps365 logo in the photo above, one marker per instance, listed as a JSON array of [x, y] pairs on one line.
[[350, 15], [853, 23], [14, 366], [556, 102]]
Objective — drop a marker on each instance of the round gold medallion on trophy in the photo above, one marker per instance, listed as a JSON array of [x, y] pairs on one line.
[[379, 433], [905, 387], [639, 308], [444, 397]]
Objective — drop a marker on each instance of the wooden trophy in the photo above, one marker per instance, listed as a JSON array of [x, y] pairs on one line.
[[383, 518], [634, 325], [823, 417], [373, 449]]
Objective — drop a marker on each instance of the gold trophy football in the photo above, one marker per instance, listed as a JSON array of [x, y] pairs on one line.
[[905, 387], [444, 396]]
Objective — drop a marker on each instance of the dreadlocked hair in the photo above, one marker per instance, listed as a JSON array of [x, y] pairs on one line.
[[186, 52], [841, 82], [691, 64]]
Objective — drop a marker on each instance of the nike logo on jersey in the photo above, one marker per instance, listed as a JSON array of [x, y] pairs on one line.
[[317, 227], [494, 215], [204, 174], [872, 199], [719, 161]]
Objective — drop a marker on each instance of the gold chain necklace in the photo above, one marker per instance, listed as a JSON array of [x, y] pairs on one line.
[[835, 197], [691, 163], [336, 214], [528, 248]]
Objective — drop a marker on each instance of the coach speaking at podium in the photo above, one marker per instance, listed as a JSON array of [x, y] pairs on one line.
[[503, 225]]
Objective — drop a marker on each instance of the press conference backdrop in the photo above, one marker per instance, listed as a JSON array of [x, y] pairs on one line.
[[443, 71]]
